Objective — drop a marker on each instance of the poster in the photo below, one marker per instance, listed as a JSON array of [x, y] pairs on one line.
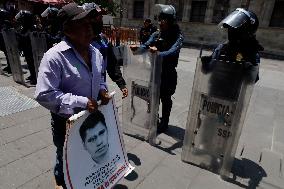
[[94, 153]]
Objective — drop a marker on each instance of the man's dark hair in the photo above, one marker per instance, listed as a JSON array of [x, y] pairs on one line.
[[90, 122], [147, 20]]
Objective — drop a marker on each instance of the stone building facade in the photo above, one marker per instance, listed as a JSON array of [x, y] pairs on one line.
[[198, 19]]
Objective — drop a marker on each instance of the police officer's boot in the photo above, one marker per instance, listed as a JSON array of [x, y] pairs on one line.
[[7, 69], [163, 125]]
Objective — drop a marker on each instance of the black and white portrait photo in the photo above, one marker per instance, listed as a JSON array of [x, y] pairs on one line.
[[94, 150], [94, 135]]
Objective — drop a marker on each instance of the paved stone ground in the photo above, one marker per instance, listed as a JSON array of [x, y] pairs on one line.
[[27, 153]]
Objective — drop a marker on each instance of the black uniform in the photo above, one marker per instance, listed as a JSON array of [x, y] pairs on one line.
[[168, 44], [146, 32], [110, 63], [27, 26], [52, 26], [242, 45], [4, 24]]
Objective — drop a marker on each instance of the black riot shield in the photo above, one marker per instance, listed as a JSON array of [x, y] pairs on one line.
[[39, 47], [218, 106], [140, 110], [11, 44]]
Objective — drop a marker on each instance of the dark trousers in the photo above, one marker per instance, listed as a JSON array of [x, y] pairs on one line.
[[30, 62], [168, 88], [58, 125], [8, 62], [3, 48]]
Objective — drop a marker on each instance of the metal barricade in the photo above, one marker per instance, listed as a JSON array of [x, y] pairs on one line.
[[11, 44], [218, 105], [128, 35], [121, 35], [39, 47], [140, 110]]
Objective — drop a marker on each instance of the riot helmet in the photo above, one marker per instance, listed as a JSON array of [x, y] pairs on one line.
[[96, 11], [4, 14], [50, 12], [26, 19], [166, 12], [5, 18], [23, 14], [241, 20]]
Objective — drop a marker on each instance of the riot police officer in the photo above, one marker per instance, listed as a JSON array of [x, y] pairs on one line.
[[146, 31], [241, 46], [241, 49], [26, 20], [5, 22], [167, 43], [110, 64], [52, 26], [221, 94]]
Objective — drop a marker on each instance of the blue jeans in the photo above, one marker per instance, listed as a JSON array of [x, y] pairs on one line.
[[58, 126]]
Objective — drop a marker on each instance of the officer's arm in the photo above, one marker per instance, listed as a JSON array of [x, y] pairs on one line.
[[113, 69], [175, 47], [140, 34], [257, 58], [144, 47], [150, 41], [209, 62]]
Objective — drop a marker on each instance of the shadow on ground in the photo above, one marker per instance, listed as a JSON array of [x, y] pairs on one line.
[[137, 162], [247, 169], [138, 137], [120, 186], [134, 159], [133, 175], [177, 134]]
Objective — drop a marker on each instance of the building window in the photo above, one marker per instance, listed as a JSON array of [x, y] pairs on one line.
[[220, 10], [198, 10], [138, 9], [277, 18]]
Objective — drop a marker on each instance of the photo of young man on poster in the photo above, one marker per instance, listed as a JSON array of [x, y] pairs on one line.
[[94, 135]]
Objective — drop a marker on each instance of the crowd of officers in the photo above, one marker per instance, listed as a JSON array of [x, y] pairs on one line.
[[167, 41], [64, 27], [24, 22]]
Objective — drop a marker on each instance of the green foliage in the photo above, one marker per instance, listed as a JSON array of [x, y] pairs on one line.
[[111, 6]]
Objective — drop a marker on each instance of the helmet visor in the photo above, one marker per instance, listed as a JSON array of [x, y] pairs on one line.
[[19, 15], [235, 20], [45, 13]]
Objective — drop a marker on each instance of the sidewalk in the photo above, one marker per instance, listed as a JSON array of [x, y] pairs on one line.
[[27, 152]]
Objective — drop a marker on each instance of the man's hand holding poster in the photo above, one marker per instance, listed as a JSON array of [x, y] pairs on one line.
[[94, 150]]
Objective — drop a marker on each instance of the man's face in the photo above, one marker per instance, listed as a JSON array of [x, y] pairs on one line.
[[96, 141], [146, 24], [163, 24], [97, 23], [236, 36], [81, 30]]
